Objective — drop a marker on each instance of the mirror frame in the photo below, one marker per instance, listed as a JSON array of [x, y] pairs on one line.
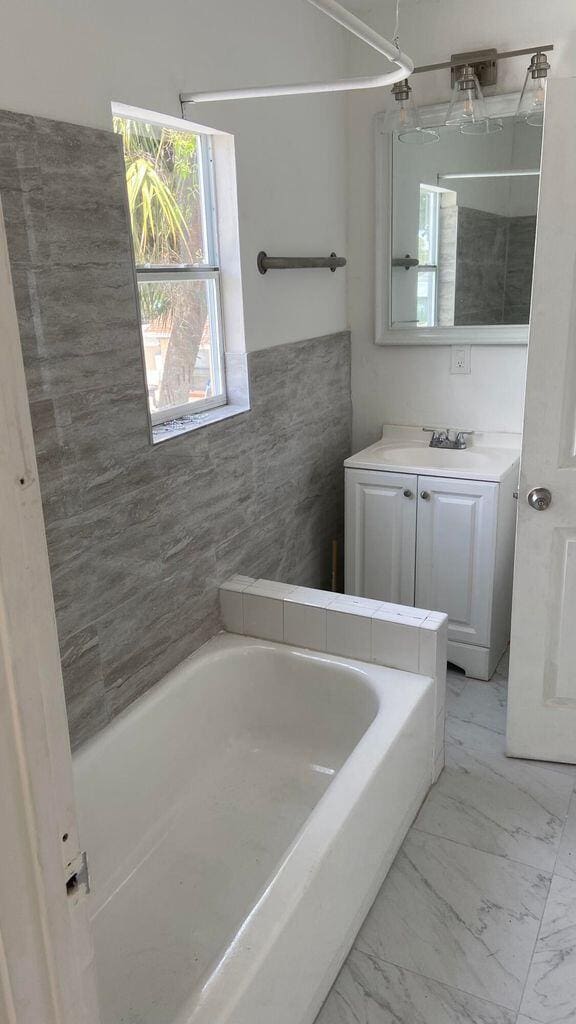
[[494, 334]]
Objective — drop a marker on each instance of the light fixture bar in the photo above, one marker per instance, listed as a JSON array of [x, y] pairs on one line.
[[491, 174], [356, 27], [470, 57]]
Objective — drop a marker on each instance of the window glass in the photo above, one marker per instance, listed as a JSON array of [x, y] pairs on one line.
[[169, 185], [166, 193], [181, 351]]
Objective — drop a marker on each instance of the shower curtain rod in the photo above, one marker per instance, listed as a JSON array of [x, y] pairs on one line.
[[358, 28]]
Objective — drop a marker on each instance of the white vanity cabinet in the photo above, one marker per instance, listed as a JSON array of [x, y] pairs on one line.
[[437, 542], [381, 535]]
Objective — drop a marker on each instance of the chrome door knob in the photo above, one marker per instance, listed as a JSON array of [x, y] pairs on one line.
[[425, 495], [539, 498], [407, 493]]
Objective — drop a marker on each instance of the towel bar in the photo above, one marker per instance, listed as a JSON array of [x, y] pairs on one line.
[[266, 262]]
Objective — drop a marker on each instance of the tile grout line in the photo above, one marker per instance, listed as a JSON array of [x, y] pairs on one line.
[[488, 853], [546, 766], [554, 875], [427, 977]]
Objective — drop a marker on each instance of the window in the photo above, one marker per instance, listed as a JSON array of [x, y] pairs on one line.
[[172, 212], [428, 256]]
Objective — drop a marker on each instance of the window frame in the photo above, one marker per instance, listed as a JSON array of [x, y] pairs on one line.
[[432, 268], [209, 270]]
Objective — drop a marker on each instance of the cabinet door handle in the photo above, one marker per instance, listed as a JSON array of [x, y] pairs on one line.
[[425, 495], [408, 493]]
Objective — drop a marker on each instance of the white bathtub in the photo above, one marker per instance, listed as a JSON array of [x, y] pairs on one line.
[[239, 819]]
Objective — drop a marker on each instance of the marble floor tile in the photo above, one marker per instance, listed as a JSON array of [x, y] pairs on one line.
[[476, 719], [555, 766], [566, 862], [503, 665], [459, 916], [369, 991], [550, 995], [455, 683], [488, 801], [525, 1020]]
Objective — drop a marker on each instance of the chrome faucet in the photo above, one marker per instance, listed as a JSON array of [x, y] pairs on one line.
[[448, 437]]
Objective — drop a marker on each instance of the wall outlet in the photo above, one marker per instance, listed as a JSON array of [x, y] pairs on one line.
[[460, 359]]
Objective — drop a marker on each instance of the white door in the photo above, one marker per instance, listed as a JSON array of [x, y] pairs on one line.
[[380, 535], [46, 957], [455, 554], [542, 694]]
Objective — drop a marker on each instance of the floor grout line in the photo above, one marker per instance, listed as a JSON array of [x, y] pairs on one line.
[[488, 853], [427, 977]]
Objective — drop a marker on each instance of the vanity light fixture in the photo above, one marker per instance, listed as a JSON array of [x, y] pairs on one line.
[[533, 96], [467, 110], [407, 124], [470, 73]]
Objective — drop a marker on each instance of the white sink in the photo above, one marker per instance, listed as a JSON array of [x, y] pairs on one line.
[[426, 458], [478, 462]]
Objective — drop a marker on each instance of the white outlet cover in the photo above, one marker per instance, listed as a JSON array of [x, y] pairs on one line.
[[460, 358]]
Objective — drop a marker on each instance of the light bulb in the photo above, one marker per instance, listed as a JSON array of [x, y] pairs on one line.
[[533, 97]]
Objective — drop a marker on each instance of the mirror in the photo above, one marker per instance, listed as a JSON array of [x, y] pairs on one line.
[[463, 229]]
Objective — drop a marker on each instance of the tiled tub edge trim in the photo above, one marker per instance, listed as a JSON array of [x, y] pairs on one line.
[[377, 632]]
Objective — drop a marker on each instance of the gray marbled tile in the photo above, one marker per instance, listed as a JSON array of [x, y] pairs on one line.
[[490, 802], [86, 700], [85, 212], [550, 996], [23, 207], [515, 314], [139, 537], [476, 719], [566, 862], [143, 639], [370, 991], [459, 916]]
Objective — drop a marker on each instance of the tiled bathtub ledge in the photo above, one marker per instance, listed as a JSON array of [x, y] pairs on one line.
[[397, 636]]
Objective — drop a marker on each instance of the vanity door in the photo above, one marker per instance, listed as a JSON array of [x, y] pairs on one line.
[[456, 554], [380, 535]]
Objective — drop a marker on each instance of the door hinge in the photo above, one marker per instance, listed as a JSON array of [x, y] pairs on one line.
[[78, 878]]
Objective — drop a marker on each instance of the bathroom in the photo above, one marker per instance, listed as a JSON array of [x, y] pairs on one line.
[[256, 765]]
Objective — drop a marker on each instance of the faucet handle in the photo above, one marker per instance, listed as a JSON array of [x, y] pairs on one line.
[[439, 436], [461, 436], [436, 431]]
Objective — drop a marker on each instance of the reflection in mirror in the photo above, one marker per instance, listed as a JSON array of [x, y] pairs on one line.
[[465, 210]]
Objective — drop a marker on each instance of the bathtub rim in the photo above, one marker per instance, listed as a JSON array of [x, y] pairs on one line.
[[223, 641]]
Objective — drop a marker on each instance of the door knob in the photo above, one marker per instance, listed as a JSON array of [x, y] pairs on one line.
[[425, 495], [407, 493], [539, 498]]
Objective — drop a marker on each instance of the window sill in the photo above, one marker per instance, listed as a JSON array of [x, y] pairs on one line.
[[186, 424]]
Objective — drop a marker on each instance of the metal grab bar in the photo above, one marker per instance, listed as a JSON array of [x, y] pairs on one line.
[[406, 261], [331, 262]]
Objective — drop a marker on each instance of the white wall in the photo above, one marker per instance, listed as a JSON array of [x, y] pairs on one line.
[[68, 59], [414, 385]]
